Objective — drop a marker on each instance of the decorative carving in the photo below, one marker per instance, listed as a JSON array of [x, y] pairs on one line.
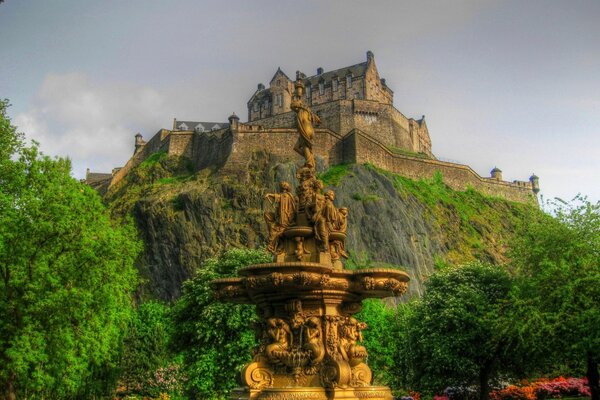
[[257, 376], [350, 333], [281, 336], [361, 375], [313, 342]]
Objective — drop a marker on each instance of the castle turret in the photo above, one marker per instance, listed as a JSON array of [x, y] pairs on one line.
[[535, 183], [234, 122], [370, 56], [139, 142], [496, 174]]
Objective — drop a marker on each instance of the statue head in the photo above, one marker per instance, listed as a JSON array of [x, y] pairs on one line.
[[330, 195], [317, 185], [344, 211], [285, 186]]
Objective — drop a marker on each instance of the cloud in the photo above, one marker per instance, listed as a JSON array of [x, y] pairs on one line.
[[93, 124]]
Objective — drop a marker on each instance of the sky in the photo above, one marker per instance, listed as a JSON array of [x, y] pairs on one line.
[[507, 84]]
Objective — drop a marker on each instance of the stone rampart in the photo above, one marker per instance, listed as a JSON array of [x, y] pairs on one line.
[[279, 142], [156, 144], [361, 148]]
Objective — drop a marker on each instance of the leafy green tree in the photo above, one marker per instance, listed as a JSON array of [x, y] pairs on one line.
[[146, 347], [216, 338], [66, 276], [453, 335], [380, 339], [557, 295]]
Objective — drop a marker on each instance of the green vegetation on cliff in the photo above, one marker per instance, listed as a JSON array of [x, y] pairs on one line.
[[185, 218]]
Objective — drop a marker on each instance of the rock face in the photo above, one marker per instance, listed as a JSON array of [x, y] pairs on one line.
[[183, 219]]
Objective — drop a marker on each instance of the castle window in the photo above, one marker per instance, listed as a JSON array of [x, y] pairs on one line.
[[199, 128], [334, 84], [321, 88], [308, 91], [256, 106], [349, 81], [183, 127]]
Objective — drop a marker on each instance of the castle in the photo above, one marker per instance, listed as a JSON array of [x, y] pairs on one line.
[[359, 124]]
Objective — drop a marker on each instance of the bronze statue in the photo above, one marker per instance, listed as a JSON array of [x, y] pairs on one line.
[[305, 120], [350, 333], [284, 215], [280, 334], [313, 342]]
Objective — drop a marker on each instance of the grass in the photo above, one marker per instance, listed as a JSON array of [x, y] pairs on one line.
[[404, 152], [474, 225], [365, 198], [333, 176]]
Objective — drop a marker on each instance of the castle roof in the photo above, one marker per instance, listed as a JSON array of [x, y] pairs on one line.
[[354, 70], [199, 126]]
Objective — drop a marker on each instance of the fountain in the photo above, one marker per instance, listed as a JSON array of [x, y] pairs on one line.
[[308, 340]]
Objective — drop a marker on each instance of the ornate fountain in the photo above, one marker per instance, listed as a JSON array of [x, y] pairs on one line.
[[309, 342]]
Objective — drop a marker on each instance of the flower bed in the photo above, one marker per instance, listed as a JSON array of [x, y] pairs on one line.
[[543, 389]]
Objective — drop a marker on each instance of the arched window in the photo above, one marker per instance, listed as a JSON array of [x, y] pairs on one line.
[[349, 81], [321, 88], [334, 84]]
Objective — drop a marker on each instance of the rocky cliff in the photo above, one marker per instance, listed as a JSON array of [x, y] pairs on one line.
[[183, 218]]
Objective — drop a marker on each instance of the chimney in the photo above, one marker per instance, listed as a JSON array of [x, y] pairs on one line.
[[319, 70], [261, 86], [370, 56]]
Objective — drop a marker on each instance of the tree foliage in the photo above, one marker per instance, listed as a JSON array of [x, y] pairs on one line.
[[557, 295], [146, 347], [67, 276], [215, 338], [452, 336]]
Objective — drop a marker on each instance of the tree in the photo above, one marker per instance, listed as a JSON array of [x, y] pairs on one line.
[[216, 338], [452, 335], [557, 295], [146, 347], [66, 276]]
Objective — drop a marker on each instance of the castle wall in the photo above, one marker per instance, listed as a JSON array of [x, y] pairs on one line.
[[180, 143], [280, 143], [361, 148], [211, 149], [381, 121], [156, 144]]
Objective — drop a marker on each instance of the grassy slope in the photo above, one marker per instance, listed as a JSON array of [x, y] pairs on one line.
[[475, 226]]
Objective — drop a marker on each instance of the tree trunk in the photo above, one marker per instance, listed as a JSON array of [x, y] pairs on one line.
[[484, 381], [9, 390], [593, 376]]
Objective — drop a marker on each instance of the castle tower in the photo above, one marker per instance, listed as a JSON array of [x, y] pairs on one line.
[[234, 122], [535, 183], [139, 142], [496, 174]]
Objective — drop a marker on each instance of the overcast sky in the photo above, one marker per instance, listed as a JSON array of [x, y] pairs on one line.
[[512, 84]]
